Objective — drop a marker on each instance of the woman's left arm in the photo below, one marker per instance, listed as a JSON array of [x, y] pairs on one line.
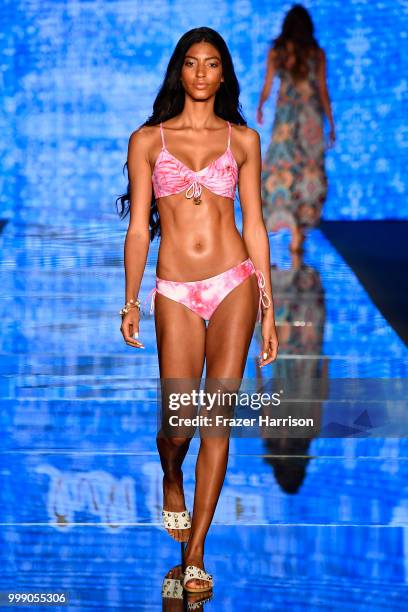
[[324, 93], [255, 235]]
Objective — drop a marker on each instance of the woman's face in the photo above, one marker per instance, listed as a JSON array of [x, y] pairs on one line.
[[201, 74]]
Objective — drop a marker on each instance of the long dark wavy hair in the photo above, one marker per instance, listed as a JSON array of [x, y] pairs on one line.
[[297, 28], [170, 101]]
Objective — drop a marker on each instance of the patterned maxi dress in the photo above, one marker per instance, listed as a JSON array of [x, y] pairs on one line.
[[294, 183]]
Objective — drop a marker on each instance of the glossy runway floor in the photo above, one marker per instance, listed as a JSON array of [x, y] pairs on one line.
[[319, 526]]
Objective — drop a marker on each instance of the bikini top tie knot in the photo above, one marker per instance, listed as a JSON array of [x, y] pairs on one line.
[[171, 176], [194, 191]]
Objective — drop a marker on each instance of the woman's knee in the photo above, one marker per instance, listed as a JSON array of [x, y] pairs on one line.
[[175, 442], [215, 443], [178, 442]]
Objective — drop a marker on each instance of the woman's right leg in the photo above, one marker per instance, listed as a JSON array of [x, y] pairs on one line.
[[298, 238], [180, 335]]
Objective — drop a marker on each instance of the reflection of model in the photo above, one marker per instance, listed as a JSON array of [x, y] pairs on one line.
[[294, 182], [300, 315], [191, 151]]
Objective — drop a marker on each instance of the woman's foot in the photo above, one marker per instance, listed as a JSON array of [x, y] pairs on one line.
[[172, 590], [173, 501], [196, 601], [196, 559], [175, 573]]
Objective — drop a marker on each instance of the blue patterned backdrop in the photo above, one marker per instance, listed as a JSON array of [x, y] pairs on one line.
[[78, 77], [80, 474]]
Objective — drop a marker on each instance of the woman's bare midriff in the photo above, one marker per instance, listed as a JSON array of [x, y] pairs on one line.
[[197, 240]]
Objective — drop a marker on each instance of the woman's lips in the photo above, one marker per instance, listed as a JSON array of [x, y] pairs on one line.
[[200, 85]]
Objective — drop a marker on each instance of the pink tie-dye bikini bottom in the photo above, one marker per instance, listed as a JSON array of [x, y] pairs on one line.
[[203, 296]]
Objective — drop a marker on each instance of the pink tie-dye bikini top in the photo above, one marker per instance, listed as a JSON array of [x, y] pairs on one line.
[[171, 176]]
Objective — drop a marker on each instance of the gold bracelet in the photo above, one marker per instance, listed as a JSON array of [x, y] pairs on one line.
[[130, 304]]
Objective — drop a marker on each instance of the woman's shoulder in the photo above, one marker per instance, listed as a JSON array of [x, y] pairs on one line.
[[318, 53], [144, 136], [246, 136], [272, 54], [273, 57], [317, 58]]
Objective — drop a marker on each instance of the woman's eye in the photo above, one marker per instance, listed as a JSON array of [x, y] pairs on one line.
[[188, 63], [214, 65]]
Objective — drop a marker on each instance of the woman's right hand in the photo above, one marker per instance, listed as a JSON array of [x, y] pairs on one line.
[[130, 327], [259, 115]]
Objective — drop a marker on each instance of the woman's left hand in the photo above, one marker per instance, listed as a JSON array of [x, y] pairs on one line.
[[332, 136], [269, 339]]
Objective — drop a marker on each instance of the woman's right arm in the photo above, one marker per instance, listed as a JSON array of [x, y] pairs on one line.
[[137, 239], [266, 89]]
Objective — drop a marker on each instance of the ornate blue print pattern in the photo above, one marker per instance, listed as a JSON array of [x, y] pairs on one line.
[[294, 183], [78, 78]]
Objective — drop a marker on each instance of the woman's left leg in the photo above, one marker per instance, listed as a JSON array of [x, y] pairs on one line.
[[228, 337]]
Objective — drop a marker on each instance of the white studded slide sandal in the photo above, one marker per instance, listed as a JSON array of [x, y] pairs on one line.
[[172, 588], [192, 572], [176, 520]]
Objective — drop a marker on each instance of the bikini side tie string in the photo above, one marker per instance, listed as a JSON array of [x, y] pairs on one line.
[[262, 293], [152, 303], [152, 292]]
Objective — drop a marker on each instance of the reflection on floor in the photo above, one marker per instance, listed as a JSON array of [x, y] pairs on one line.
[[301, 525]]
